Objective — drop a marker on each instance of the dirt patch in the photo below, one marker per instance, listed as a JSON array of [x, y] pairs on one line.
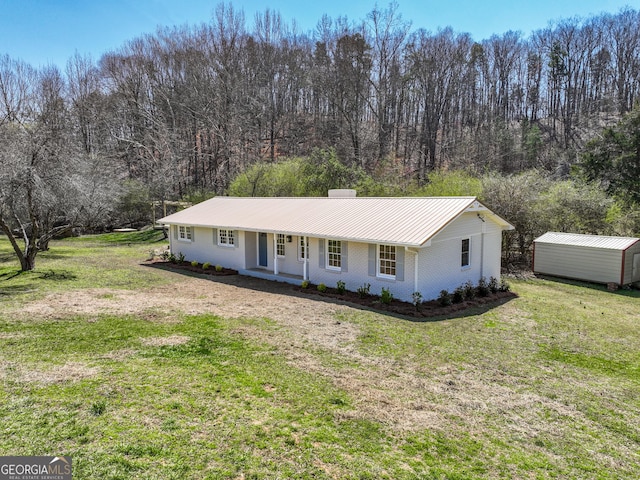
[[69, 372], [165, 341]]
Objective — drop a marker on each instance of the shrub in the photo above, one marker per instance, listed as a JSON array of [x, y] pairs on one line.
[[218, 268], [417, 299], [469, 290], [180, 257], [458, 295], [206, 265], [341, 287], [504, 285], [322, 288], [172, 258], [386, 296], [483, 288], [166, 255], [494, 286], [364, 290], [445, 298], [305, 284], [194, 263]]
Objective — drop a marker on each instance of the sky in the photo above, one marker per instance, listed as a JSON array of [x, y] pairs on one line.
[[43, 32]]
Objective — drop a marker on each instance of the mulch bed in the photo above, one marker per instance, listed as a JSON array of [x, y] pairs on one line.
[[427, 309], [198, 269]]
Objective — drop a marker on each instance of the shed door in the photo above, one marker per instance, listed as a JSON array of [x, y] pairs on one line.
[[635, 275]]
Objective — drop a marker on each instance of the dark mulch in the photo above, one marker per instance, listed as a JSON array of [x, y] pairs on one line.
[[428, 309], [425, 310], [198, 269]]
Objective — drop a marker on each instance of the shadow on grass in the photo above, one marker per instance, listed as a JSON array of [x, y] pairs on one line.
[[57, 275], [624, 291], [467, 309]]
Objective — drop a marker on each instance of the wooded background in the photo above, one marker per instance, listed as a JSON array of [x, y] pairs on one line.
[[186, 111]]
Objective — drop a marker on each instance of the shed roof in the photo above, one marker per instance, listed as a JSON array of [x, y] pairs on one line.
[[409, 221], [592, 241]]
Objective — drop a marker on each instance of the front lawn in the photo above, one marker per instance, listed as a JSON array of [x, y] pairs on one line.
[[222, 381]]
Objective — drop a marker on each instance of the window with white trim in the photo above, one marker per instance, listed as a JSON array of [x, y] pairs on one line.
[[184, 233], [226, 238], [334, 254], [465, 254], [302, 248], [280, 244], [387, 261]]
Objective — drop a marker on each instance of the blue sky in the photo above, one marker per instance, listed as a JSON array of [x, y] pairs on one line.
[[50, 31]]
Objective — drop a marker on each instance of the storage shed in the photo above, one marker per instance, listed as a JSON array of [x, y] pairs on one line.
[[594, 258]]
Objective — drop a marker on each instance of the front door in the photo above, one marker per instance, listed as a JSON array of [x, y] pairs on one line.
[[635, 273], [263, 255]]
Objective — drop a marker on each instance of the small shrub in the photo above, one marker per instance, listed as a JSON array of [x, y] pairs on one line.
[[305, 284], [322, 288], [494, 286], [416, 299], [172, 258], [483, 288], [218, 268], [341, 287], [166, 255], [194, 263], [206, 266], [458, 295], [469, 290], [386, 296], [180, 257], [445, 298], [504, 286], [364, 290]]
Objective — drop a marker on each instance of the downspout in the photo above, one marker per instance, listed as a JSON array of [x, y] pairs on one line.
[[482, 232], [415, 271]]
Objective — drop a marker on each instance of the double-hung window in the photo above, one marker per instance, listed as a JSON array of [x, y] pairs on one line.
[[387, 261], [465, 254], [226, 238], [184, 233], [280, 244], [334, 254], [302, 248]]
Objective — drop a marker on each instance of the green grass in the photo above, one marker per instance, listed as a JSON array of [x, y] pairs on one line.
[[544, 386]]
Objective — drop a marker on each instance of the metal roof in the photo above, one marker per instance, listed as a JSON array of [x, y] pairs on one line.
[[409, 221], [582, 240]]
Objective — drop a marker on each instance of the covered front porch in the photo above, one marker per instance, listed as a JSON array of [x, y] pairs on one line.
[[276, 256]]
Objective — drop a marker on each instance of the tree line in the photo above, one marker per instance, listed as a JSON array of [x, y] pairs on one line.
[[190, 109]]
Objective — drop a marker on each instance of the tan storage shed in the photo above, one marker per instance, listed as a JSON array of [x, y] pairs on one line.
[[593, 258]]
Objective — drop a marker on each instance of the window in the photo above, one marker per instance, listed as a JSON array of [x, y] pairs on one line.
[[302, 248], [184, 233], [387, 261], [334, 254], [226, 238], [280, 244], [465, 256]]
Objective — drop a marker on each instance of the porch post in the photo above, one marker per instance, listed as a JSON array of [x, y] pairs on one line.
[[305, 260], [275, 254]]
